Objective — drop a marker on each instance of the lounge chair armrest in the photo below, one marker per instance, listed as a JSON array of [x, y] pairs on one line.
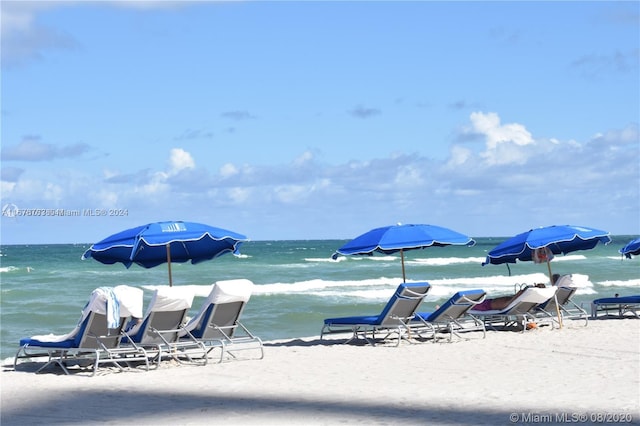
[[413, 294], [472, 301]]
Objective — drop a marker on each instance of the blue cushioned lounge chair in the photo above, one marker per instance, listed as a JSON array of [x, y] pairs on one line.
[[617, 307], [159, 331], [392, 321], [452, 316], [96, 339], [218, 325]]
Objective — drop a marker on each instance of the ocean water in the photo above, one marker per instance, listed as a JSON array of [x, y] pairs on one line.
[[297, 284]]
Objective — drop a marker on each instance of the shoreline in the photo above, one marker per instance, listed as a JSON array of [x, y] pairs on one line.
[[537, 376]]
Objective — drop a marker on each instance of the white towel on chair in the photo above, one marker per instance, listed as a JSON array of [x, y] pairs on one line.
[[113, 307]]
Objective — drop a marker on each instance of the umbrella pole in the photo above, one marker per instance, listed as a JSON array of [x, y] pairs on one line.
[[554, 295], [169, 264], [404, 278]]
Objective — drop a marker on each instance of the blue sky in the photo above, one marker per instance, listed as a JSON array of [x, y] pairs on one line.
[[304, 120]]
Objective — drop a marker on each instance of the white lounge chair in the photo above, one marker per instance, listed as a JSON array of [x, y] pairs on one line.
[[158, 332], [218, 325], [97, 336], [520, 310], [562, 303]]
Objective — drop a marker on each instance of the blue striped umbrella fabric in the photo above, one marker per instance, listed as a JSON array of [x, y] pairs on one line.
[[165, 242], [632, 248], [560, 239], [399, 238]]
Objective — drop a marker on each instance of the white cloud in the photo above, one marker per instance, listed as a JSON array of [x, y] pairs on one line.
[[408, 175], [25, 40], [105, 198], [504, 143], [322, 184], [228, 170], [239, 195], [7, 188], [496, 133], [37, 193], [459, 155], [32, 149], [289, 194], [303, 159], [464, 191], [18, 16], [628, 135], [505, 154], [154, 188], [179, 160]]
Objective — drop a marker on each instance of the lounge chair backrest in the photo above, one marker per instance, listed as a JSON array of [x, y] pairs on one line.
[[161, 321], [458, 305], [79, 332], [231, 291], [221, 310], [95, 334], [530, 298], [130, 299], [563, 294], [170, 299], [166, 311], [224, 317], [403, 304], [564, 281], [104, 302]]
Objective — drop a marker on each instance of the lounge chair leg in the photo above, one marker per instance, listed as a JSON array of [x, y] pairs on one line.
[[53, 360]]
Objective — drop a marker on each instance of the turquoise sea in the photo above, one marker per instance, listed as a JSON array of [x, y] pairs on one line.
[[44, 287]]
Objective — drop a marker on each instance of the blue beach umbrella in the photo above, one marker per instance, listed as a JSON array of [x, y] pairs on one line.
[[558, 239], [399, 238], [633, 248], [165, 242], [540, 244]]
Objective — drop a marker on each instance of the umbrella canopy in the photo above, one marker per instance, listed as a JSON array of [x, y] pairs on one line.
[[399, 238], [164, 242], [633, 248], [558, 239]]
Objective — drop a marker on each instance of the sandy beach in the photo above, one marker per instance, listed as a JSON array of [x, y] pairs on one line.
[[578, 374]]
